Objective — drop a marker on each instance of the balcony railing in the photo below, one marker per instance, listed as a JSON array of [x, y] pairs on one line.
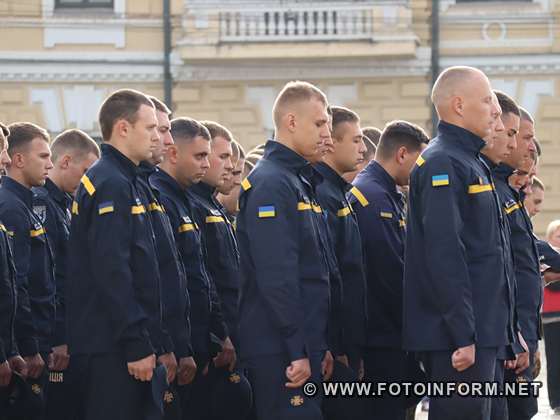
[[305, 24]]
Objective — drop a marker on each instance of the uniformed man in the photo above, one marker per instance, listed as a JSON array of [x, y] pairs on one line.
[[342, 157], [371, 139], [229, 196], [534, 201], [527, 269], [10, 360], [185, 164], [381, 216], [499, 146], [455, 288], [73, 152], [284, 300], [113, 302], [28, 147]]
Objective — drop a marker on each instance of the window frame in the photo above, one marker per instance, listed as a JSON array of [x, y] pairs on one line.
[[83, 4]]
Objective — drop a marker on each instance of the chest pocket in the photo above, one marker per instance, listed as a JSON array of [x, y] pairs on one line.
[[481, 215], [221, 250], [312, 258]]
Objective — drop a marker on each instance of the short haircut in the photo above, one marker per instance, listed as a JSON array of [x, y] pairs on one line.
[[525, 115], [552, 228], [397, 134], [448, 81], [74, 142], [341, 115], [294, 92], [184, 129], [538, 146], [537, 183], [121, 105], [159, 105], [22, 134], [4, 133], [234, 151], [372, 133], [507, 104], [217, 130], [240, 148], [371, 148]]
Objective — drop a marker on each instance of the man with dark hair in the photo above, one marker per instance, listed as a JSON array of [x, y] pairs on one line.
[[176, 353], [10, 361], [371, 139], [284, 302], [455, 288], [511, 176], [185, 164], [113, 264], [73, 152], [381, 217], [28, 148], [228, 195]]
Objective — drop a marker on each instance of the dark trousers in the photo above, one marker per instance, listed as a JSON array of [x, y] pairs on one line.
[[385, 365], [552, 341], [272, 399], [66, 390], [439, 369], [523, 408], [112, 393], [499, 404]]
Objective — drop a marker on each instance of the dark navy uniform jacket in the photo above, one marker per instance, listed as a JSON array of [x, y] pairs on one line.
[[284, 301], [221, 253], [455, 286], [8, 298], [345, 235], [381, 216], [52, 206], [35, 316], [526, 256], [205, 317], [174, 293], [113, 298], [548, 255]]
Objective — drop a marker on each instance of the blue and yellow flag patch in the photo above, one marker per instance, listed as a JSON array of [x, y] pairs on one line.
[[106, 207], [440, 180], [267, 211]]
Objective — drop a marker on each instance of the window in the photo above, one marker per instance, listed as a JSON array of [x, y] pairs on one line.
[[84, 3], [492, 1]]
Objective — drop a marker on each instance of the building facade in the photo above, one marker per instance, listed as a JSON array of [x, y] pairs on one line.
[[228, 59]]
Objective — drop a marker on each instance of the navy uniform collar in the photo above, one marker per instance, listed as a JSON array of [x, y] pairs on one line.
[[62, 198], [204, 190], [292, 161], [463, 139], [146, 168], [164, 177], [383, 177], [128, 166], [489, 162], [503, 172], [21, 191], [332, 176]]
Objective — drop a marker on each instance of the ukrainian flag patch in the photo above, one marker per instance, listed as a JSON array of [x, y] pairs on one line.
[[267, 211], [106, 207], [440, 180]]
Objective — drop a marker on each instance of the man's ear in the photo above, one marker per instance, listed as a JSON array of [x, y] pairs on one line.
[[121, 128], [64, 161], [401, 155], [291, 122], [18, 160], [458, 105], [171, 154]]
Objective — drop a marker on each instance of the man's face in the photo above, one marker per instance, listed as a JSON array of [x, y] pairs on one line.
[[235, 180], [220, 163], [311, 130], [165, 139], [505, 139], [533, 202], [36, 162], [407, 161], [4, 158], [192, 161], [75, 170], [478, 107], [525, 144], [349, 146], [520, 178], [143, 137]]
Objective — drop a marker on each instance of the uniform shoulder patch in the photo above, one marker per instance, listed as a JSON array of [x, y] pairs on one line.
[[440, 180], [267, 211], [386, 214], [359, 196], [246, 184], [106, 207], [420, 161], [86, 182]]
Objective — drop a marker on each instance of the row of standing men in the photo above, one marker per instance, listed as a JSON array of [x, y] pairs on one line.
[[133, 277]]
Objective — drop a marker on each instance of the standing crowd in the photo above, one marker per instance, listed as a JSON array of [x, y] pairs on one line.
[[167, 274]]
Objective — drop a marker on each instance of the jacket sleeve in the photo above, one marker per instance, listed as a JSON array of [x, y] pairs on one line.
[[437, 208], [109, 235], [273, 249], [26, 334]]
